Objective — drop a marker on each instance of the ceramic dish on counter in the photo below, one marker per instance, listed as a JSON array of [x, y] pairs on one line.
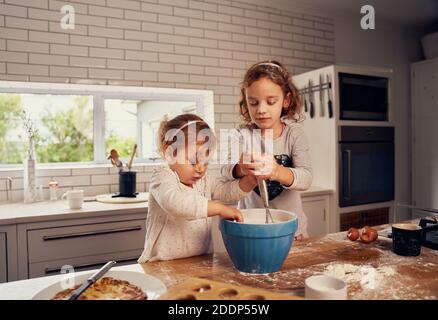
[[150, 285]]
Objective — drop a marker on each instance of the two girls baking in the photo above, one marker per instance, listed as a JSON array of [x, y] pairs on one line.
[[183, 197]]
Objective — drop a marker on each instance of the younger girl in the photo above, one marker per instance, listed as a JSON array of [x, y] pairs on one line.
[[178, 223], [270, 101]]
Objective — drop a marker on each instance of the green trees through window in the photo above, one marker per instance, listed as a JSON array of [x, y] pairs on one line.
[[65, 127]]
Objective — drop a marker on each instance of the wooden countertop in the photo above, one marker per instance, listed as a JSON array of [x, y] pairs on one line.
[[372, 271], [395, 277]]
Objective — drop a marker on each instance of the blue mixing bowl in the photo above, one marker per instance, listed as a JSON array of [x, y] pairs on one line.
[[257, 247]]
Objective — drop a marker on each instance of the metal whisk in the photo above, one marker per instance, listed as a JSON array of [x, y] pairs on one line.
[[264, 190], [265, 198]]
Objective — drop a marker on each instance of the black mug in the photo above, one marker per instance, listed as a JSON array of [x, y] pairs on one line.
[[127, 183], [406, 239]]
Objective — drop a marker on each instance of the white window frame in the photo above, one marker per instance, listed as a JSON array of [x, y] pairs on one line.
[[203, 98]]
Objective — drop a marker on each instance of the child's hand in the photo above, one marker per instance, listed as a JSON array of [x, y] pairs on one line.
[[252, 165], [300, 237], [262, 166], [230, 213]]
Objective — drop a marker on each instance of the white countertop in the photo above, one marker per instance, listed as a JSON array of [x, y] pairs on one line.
[[58, 210], [20, 212], [26, 289], [316, 191]]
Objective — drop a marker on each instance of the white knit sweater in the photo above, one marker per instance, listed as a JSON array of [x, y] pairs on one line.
[[177, 225]]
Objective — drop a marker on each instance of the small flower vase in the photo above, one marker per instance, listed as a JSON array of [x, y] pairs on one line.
[[29, 175]]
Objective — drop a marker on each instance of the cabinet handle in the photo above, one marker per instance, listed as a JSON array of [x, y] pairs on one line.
[[90, 233], [324, 215], [86, 265], [348, 152]]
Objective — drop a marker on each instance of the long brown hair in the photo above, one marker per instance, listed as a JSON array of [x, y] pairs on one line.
[[182, 122], [278, 74]]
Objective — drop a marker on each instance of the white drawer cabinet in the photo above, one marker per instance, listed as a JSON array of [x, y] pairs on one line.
[[84, 240], [3, 258], [48, 268], [8, 253], [316, 209], [81, 243]]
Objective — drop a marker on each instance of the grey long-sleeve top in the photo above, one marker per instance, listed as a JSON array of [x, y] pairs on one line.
[[292, 142]]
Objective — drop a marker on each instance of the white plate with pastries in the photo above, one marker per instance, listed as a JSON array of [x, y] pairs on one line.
[[151, 286]]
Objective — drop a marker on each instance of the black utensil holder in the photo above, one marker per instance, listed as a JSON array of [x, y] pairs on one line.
[[127, 183]]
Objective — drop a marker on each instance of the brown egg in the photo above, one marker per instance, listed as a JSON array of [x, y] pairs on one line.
[[368, 234], [374, 234], [353, 234]]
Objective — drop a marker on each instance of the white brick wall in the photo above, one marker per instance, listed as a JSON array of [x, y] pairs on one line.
[[171, 43], [92, 179]]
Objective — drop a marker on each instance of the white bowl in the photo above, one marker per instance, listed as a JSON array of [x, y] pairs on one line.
[[152, 286], [430, 45], [324, 287]]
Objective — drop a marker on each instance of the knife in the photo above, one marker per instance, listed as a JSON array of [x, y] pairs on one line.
[[305, 99], [92, 279], [312, 110], [321, 92], [329, 103]]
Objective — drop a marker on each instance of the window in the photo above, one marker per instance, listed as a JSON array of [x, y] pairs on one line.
[[64, 127], [82, 123], [137, 121], [120, 126]]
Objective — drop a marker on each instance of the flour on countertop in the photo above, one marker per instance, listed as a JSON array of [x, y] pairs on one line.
[[368, 276]]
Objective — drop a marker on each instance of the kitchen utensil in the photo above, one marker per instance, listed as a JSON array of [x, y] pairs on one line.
[[92, 279], [115, 161], [75, 198], [127, 184], [150, 285], [8, 187], [406, 239], [429, 210], [206, 289], [312, 109], [321, 97], [264, 195], [323, 287], [108, 198], [257, 247], [305, 99], [264, 189], [132, 157], [430, 232], [329, 97], [429, 225]]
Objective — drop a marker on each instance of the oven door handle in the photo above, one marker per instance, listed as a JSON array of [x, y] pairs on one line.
[[348, 152]]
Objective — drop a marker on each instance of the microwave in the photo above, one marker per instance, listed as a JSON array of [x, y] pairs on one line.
[[363, 97]]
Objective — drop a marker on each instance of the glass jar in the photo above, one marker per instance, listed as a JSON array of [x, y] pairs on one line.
[[53, 187]]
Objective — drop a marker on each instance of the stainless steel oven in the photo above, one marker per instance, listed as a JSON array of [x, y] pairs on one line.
[[366, 165]]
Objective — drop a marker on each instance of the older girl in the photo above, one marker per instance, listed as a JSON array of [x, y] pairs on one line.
[[270, 102]]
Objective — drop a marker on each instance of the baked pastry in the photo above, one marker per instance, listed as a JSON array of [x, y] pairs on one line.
[[106, 288]]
